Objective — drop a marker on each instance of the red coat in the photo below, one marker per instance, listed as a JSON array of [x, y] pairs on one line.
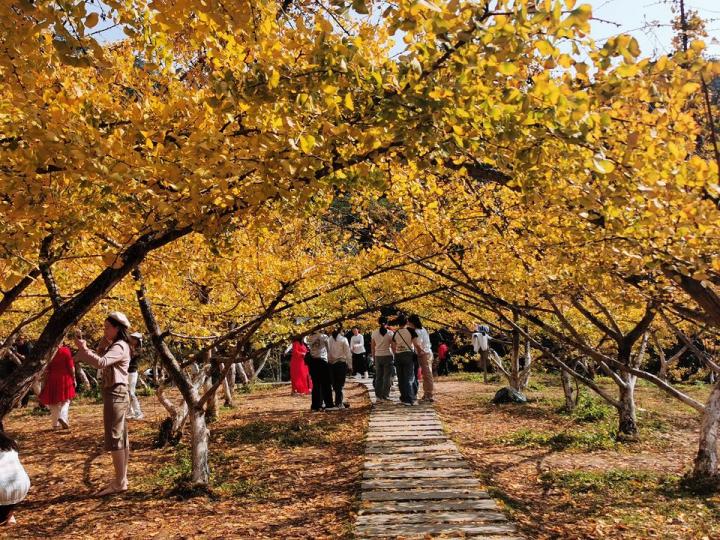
[[299, 372], [59, 382]]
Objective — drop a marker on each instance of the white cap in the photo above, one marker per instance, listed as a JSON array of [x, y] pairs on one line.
[[137, 335], [120, 318]]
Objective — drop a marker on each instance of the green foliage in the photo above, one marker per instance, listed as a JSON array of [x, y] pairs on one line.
[[590, 409], [94, 394], [245, 488], [38, 411], [601, 481], [296, 432], [579, 440]]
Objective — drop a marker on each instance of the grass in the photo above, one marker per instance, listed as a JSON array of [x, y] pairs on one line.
[[296, 432], [589, 409], [616, 480], [245, 488], [558, 442]]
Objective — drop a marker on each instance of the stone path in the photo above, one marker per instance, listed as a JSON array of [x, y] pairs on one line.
[[417, 485]]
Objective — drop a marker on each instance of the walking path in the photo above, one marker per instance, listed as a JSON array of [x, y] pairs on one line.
[[417, 485]]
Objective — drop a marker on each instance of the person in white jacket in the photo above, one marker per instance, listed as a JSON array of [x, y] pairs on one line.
[[338, 357], [359, 354], [481, 346], [14, 481]]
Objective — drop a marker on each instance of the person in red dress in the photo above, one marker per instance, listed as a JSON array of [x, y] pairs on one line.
[[299, 372], [59, 387]]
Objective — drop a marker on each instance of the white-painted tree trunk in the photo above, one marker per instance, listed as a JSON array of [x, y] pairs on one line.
[[706, 461], [228, 386], [627, 411], [240, 369], [82, 377], [199, 438]]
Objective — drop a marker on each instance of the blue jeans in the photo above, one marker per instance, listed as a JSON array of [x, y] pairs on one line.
[[383, 376], [405, 367]]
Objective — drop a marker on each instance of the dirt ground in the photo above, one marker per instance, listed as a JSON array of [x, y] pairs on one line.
[[278, 472], [282, 472], [563, 476]]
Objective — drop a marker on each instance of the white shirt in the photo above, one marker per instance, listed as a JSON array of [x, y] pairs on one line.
[[318, 344], [338, 349], [424, 338], [382, 343], [14, 481], [480, 341], [403, 340], [357, 344]]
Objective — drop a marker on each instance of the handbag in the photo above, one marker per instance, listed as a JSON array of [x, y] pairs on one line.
[[415, 358]]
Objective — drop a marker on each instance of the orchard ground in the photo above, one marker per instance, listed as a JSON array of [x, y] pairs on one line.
[[281, 472]]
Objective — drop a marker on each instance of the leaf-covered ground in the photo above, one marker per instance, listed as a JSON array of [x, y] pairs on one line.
[[564, 477], [278, 470]]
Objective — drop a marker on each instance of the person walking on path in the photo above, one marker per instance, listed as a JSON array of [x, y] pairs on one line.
[[338, 356], [14, 481], [59, 387], [481, 346], [380, 347], [404, 343], [299, 373], [359, 354], [113, 357], [319, 372], [443, 351], [425, 357], [135, 412]]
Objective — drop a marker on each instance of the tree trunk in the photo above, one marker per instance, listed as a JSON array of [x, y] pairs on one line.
[[211, 410], [568, 390], [82, 378], [199, 440], [706, 461], [627, 416], [239, 368], [228, 386]]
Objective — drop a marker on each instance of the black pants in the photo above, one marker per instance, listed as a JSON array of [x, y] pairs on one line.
[[6, 512], [321, 390], [338, 371], [359, 363]]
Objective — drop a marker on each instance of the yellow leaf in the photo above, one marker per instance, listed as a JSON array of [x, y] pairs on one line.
[[603, 166], [507, 68], [307, 143], [349, 102], [274, 79], [544, 47]]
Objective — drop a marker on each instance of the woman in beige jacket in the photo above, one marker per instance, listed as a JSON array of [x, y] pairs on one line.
[[113, 357]]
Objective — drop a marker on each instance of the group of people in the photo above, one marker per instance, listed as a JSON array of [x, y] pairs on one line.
[[113, 357], [60, 384], [320, 363]]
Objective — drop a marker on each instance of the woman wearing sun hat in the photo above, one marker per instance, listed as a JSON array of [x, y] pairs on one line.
[[113, 357]]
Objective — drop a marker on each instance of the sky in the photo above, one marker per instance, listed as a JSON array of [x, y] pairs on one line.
[[649, 22]]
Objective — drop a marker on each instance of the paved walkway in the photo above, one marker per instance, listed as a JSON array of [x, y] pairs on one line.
[[417, 485]]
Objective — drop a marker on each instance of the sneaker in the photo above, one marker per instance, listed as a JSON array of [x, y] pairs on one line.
[[64, 424], [428, 400], [367, 375], [407, 404], [315, 410], [358, 376], [341, 406], [140, 416]]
